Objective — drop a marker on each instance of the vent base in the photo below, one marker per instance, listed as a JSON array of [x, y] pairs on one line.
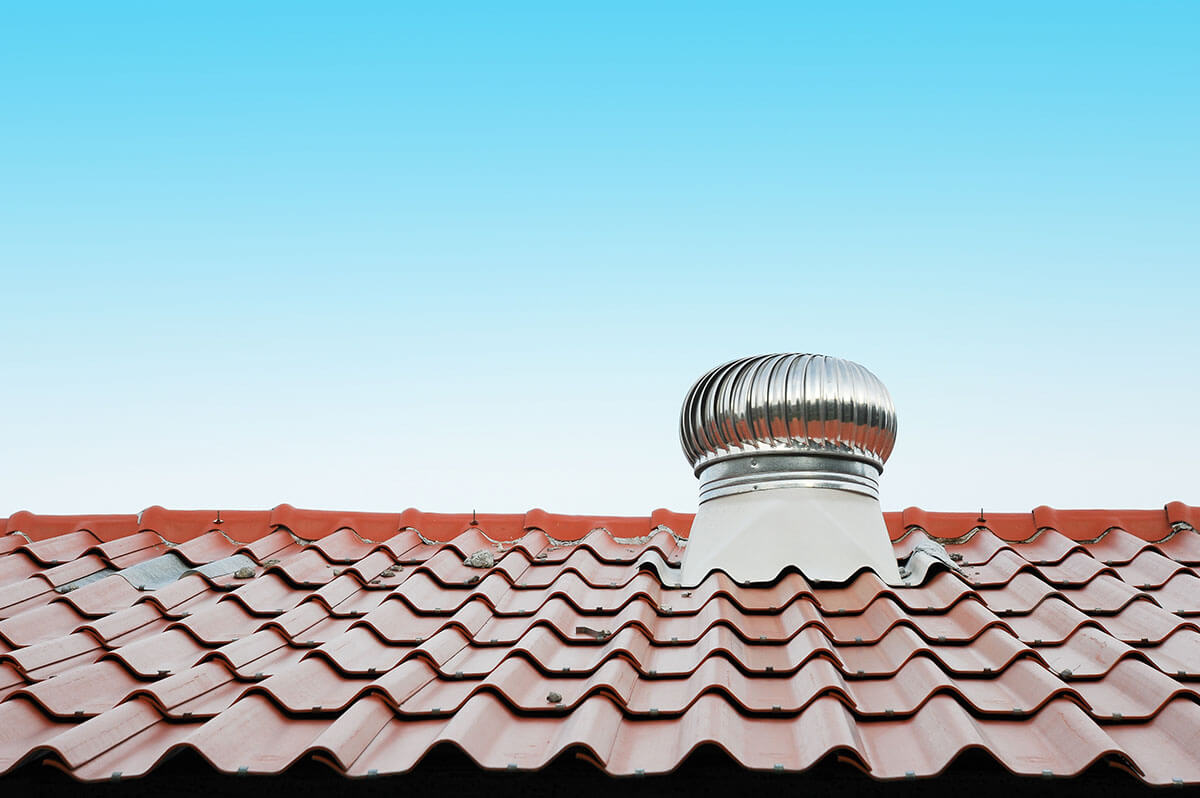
[[828, 533]]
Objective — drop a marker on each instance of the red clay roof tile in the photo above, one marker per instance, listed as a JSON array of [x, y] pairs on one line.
[[1064, 641], [84, 691], [71, 529], [41, 624]]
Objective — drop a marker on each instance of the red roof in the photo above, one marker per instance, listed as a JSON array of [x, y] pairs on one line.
[[1054, 641]]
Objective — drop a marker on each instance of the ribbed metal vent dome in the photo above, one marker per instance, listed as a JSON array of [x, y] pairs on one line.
[[792, 404]]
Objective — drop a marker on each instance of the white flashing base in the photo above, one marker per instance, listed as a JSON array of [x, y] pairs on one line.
[[828, 534]]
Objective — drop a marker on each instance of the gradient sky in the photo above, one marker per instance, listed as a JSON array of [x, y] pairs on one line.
[[465, 256]]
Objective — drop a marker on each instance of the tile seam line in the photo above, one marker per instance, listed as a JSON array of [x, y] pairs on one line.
[[844, 755], [830, 654], [720, 594], [843, 694], [609, 690], [551, 592], [1177, 528], [746, 637], [556, 542], [281, 527]]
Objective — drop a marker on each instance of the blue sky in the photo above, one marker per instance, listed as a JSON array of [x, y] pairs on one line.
[[456, 256]]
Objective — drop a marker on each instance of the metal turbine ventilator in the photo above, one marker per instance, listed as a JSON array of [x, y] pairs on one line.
[[788, 450]]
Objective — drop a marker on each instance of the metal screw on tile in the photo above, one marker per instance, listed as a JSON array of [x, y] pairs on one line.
[[218, 520], [554, 698], [475, 522]]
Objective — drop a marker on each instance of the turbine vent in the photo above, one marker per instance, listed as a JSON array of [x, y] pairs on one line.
[[788, 404], [804, 434]]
